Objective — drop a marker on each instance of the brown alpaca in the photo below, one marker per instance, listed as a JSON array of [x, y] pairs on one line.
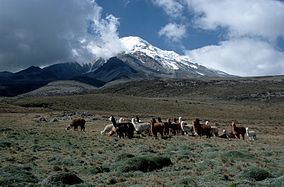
[[201, 129], [237, 131], [76, 123], [157, 127], [167, 127]]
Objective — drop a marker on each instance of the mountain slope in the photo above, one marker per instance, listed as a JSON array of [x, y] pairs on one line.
[[140, 60], [58, 88], [113, 69]]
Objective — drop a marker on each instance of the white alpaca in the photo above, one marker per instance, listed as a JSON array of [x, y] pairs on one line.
[[186, 128], [107, 129], [141, 127], [251, 134]]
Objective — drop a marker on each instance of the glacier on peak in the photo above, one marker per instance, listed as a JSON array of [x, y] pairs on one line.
[[170, 59]]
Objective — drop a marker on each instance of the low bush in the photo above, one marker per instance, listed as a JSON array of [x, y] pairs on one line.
[[142, 163], [61, 179], [256, 174]]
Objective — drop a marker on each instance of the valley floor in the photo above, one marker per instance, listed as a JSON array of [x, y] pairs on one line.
[[36, 149]]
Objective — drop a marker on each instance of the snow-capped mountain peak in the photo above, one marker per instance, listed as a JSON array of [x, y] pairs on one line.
[[170, 59], [163, 60], [134, 43]]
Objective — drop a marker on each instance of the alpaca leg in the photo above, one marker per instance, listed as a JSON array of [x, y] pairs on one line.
[[161, 132]]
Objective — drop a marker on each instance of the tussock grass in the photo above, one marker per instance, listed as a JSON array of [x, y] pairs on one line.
[[17, 175], [141, 163], [256, 174], [62, 179], [99, 160]]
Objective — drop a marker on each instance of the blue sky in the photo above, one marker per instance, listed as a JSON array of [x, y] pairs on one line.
[[142, 18], [240, 37]]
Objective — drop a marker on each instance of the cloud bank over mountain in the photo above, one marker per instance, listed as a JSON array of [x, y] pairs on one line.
[[38, 32]]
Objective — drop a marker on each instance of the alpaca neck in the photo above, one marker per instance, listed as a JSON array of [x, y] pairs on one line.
[[113, 121], [133, 122]]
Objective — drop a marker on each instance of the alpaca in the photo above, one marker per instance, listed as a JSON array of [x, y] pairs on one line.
[[76, 123], [227, 135], [185, 127], [237, 131], [251, 134], [123, 129], [214, 129], [157, 127], [107, 129], [201, 129], [174, 126], [141, 127]]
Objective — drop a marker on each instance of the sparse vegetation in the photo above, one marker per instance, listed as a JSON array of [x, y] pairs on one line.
[[36, 150]]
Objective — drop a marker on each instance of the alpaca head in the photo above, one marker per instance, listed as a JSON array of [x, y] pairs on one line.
[[233, 123], [196, 121], [206, 122], [175, 120], [153, 120], [120, 120], [137, 119], [112, 120]]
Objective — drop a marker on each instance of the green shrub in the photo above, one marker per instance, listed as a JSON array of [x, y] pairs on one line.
[[5, 144], [61, 179], [142, 163], [256, 174]]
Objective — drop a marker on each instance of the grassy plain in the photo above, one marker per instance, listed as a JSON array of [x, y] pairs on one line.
[[32, 149]]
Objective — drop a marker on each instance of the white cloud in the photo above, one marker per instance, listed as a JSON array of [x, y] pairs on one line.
[[251, 28], [173, 31], [262, 18], [108, 43], [244, 57], [172, 7], [38, 32]]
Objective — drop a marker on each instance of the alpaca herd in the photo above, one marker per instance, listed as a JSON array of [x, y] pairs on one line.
[[126, 128], [157, 127]]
